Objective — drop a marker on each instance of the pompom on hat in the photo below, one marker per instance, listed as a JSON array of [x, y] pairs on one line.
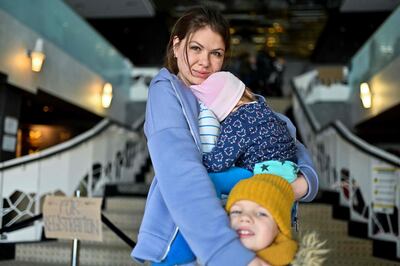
[[220, 92], [272, 192]]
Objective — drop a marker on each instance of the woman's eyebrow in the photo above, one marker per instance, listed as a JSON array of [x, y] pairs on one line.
[[202, 46], [199, 44], [218, 49]]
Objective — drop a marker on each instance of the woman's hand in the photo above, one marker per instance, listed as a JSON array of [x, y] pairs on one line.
[[258, 262], [300, 187]]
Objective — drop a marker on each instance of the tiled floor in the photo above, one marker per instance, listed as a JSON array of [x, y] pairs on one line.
[[344, 250]]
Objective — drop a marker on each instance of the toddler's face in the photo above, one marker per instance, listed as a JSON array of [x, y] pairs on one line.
[[254, 224]]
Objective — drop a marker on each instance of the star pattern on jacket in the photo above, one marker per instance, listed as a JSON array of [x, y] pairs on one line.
[[264, 167]]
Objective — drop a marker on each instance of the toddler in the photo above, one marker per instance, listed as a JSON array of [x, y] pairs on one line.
[[259, 210], [250, 136]]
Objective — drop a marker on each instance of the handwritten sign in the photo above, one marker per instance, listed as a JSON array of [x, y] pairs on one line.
[[69, 218]]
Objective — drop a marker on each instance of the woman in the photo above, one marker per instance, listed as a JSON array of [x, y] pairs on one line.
[[182, 195]]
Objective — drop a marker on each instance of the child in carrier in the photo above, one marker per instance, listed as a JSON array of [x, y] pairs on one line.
[[241, 136]]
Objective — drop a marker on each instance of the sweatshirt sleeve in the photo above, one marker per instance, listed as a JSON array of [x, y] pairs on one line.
[[184, 184], [304, 162]]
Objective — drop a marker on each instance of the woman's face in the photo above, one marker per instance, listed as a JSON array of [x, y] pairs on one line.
[[205, 53], [254, 224]]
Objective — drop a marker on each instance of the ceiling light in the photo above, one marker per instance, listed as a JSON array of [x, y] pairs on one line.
[[235, 40], [365, 95], [106, 95], [258, 39]]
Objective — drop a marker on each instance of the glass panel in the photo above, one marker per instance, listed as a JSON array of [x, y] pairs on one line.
[[58, 23], [379, 51]]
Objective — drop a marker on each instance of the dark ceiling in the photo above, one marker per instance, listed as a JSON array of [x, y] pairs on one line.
[[319, 30], [289, 29]]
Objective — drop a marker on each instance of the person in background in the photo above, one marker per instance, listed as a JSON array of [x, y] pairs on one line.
[[182, 201]]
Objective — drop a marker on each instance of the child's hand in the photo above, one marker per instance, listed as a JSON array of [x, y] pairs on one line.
[[300, 187], [258, 262]]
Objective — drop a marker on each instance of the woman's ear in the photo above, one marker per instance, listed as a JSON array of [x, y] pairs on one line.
[[175, 45]]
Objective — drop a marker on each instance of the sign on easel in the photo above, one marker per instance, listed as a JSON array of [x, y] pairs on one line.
[[384, 188], [72, 218]]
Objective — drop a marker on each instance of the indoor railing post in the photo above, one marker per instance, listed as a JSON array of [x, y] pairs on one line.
[[75, 243]]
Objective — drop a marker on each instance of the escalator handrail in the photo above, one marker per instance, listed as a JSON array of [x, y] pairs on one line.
[[345, 133], [69, 144]]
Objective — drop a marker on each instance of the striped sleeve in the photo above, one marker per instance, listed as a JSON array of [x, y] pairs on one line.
[[209, 128]]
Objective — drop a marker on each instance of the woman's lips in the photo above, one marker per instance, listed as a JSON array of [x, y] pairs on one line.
[[200, 74]]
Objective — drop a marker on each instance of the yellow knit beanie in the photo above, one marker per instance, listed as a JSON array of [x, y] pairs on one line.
[[270, 191]]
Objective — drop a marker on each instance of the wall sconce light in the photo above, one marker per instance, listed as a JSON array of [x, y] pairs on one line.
[[106, 95], [365, 95], [37, 56]]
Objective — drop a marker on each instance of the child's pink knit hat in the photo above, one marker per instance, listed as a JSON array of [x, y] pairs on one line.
[[220, 92]]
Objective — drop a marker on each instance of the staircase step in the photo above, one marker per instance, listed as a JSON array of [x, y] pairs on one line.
[[59, 252], [125, 221], [27, 263], [138, 189], [110, 238], [127, 204], [344, 250], [366, 260]]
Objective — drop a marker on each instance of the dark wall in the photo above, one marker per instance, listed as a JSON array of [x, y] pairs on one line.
[[382, 128], [10, 105], [142, 40]]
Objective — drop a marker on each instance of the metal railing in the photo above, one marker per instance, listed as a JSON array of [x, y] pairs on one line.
[[75, 247], [110, 153], [354, 169]]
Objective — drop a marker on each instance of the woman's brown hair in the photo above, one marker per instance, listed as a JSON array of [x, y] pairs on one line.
[[191, 21]]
